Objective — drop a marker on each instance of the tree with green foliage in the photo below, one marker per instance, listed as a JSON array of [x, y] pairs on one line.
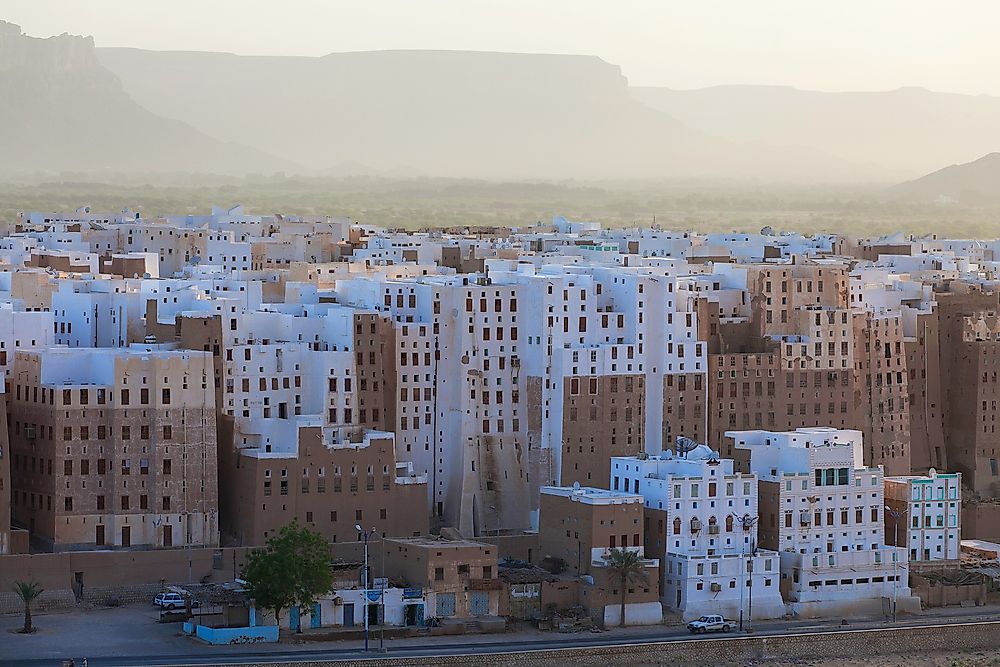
[[293, 569], [627, 567], [28, 591]]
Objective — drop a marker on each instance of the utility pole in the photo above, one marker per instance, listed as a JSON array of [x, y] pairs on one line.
[[381, 597], [743, 552], [365, 534], [747, 522], [896, 516]]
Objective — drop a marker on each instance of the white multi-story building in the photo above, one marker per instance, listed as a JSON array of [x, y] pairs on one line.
[[825, 514], [925, 516], [702, 517], [462, 422]]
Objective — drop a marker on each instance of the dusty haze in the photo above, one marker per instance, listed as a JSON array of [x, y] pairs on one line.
[[511, 90], [846, 45]]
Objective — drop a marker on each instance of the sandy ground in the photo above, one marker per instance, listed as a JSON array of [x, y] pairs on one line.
[[963, 659], [989, 658]]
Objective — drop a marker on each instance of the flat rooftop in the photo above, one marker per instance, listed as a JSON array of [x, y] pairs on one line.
[[438, 543], [593, 496]]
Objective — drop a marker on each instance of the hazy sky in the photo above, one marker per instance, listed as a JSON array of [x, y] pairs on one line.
[[826, 45]]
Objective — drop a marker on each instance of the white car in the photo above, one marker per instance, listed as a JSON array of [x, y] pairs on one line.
[[710, 623], [171, 601]]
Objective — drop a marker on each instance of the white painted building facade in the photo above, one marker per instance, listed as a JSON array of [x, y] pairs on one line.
[[929, 510], [826, 516], [712, 563]]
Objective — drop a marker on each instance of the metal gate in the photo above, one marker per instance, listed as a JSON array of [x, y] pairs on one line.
[[479, 603], [316, 617], [348, 615], [294, 619], [445, 604]]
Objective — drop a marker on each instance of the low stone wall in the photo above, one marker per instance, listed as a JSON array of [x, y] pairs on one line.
[[118, 595], [936, 594], [723, 651], [64, 598], [125, 576], [10, 603]]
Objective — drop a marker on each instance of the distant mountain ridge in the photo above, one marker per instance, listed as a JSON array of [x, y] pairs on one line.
[[68, 106], [60, 109], [449, 113], [907, 131], [976, 182]]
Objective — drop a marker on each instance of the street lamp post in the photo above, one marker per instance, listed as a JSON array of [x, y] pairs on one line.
[[381, 596], [365, 534], [747, 522], [896, 516]]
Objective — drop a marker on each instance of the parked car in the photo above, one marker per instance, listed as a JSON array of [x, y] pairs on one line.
[[171, 601], [710, 623]]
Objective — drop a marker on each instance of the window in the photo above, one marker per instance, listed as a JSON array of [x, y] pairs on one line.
[[439, 574]]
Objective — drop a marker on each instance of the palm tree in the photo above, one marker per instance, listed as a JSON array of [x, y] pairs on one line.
[[628, 568], [28, 591]]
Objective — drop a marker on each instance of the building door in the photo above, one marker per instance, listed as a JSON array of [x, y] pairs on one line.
[[445, 604], [126, 536], [678, 605], [316, 617], [348, 615], [168, 536], [372, 610], [479, 603], [99, 536], [78, 584], [411, 614], [294, 621]]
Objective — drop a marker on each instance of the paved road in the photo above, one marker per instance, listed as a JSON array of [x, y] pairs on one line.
[[404, 649]]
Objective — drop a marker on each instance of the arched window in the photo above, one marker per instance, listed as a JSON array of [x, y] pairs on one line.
[[729, 523], [677, 526]]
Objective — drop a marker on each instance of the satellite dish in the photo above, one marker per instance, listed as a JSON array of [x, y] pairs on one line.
[[684, 445], [576, 486], [195, 260]]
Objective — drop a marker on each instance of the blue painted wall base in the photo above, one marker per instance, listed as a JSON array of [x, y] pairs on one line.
[[251, 635]]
